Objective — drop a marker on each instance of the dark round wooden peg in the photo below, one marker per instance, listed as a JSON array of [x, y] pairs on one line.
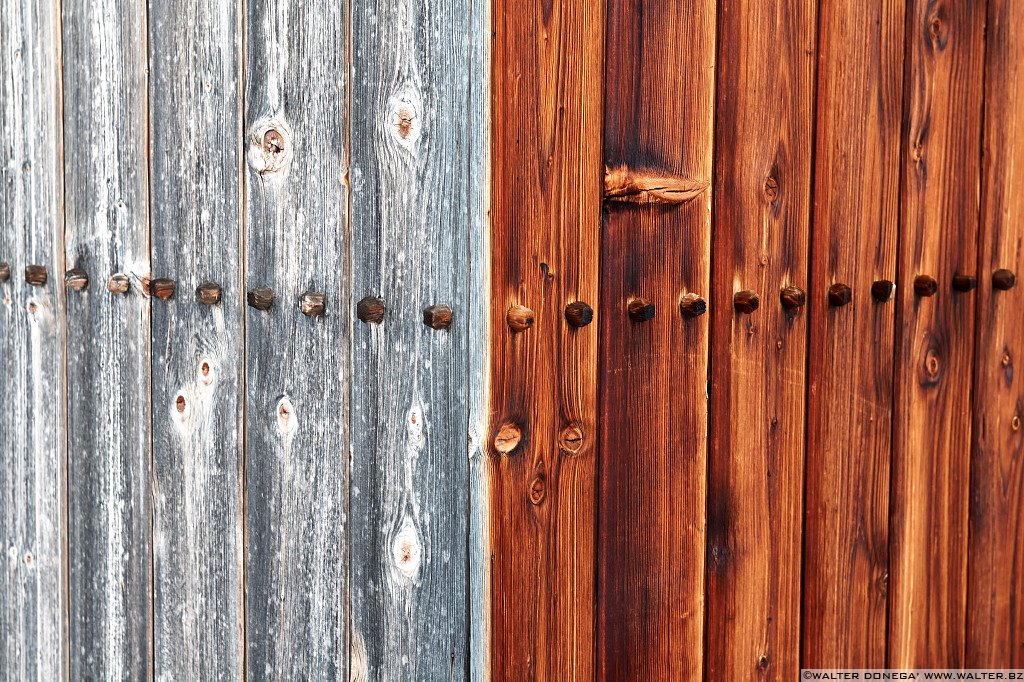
[[76, 279], [1003, 279], [162, 288], [370, 310], [519, 318], [579, 314], [965, 283], [640, 310], [839, 295], [438, 317], [793, 298], [261, 298], [5, 271], [883, 290], [746, 301], [35, 275], [209, 293], [313, 303], [692, 305], [925, 285], [119, 283]]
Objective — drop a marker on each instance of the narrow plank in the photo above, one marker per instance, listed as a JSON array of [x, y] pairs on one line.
[[33, 465], [995, 569], [849, 409], [296, 377], [195, 142], [547, 64], [935, 339], [109, 466], [653, 374], [763, 135], [411, 224]]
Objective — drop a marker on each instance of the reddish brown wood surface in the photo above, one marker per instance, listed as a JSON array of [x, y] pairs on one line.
[[935, 348], [763, 133], [653, 406], [995, 593], [545, 223], [849, 422]]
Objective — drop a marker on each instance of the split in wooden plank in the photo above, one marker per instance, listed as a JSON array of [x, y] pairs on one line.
[[764, 130], [940, 156]]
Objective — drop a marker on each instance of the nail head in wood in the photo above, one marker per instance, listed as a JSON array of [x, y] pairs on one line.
[[839, 295], [209, 293], [370, 310], [925, 285], [162, 288], [746, 301], [883, 290], [964, 283], [438, 317], [793, 298], [640, 310], [313, 303], [35, 275], [519, 318], [579, 314], [76, 279], [260, 298], [119, 283], [692, 305], [507, 439], [5, 271], [1003, 279]]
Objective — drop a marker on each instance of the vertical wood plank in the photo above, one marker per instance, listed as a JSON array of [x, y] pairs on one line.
[[653, 402], [33, 483], [195, 158], [935, 338], [546, 191], [995, 618], [411, 225], [849, 423], [107, 199], [296, 374], [764, 128]]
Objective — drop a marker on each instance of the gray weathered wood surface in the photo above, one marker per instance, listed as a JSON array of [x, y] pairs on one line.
[[33, 605], [195, 159], [412, 196], [107, 232], [297, 384]]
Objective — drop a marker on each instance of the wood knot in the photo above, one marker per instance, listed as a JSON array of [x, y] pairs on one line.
[[578, 314], [964, 283], [1005, 361], [274, 150], [370, 310], [119, 283], [938, 30], [839, 294], [35, 275], [1003, 279], [537, 489], [883, 290], [438, 317], [180, 404], [209, 293], [640, 309], [570, 440], [792, 298], [404, 120], [162, 288], [76, 279], [260, 298], [691, 305], [771, 189], [508, 439], [931, 368], [5, 271], [1015, 423], [746, 301], [313, 303], [270, 148], [763, 662], [519, 318], [925, 286], [622, 184]]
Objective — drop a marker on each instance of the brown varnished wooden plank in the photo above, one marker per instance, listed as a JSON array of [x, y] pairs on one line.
[[653, 402], [995, 619], [935, 335], [546, 192], [849, 423], [764, 126]]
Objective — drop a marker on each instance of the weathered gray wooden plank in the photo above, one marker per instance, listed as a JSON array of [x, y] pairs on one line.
[[195, 158], [297, 387], [33, 483], [107, 205], [414, 206]]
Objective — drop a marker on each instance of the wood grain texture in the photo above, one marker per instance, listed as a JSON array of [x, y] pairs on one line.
[[935, 339], [33, 474], [296, 373], [195, 156], [763, 135], [412, 169], [653, 401], [995, 589], [849, 408], [546, 80], [106, 181]]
